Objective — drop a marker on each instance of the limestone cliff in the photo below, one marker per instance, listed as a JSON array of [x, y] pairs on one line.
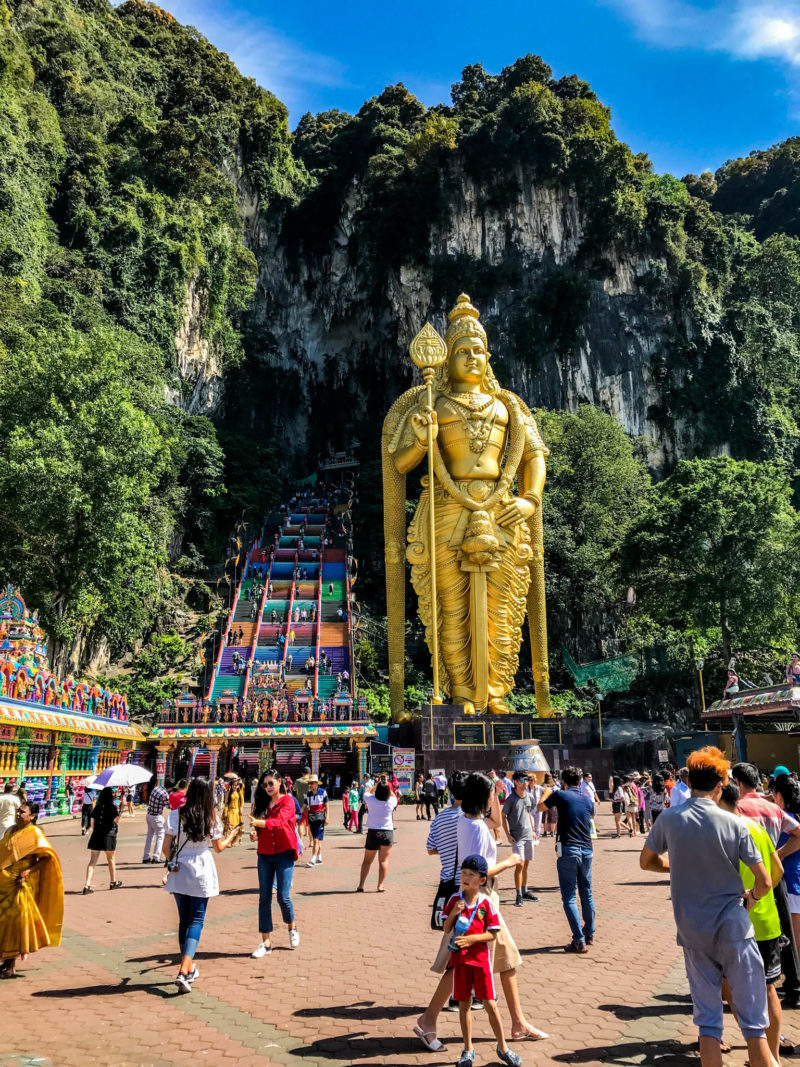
[[329, 337]]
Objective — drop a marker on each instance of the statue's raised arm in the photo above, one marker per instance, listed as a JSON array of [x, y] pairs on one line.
[[485, 532]]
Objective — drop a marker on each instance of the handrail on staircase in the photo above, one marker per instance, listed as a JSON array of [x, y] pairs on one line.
[[225, 633], [289, 615], [319, 619], [257, 631], [349, 625]]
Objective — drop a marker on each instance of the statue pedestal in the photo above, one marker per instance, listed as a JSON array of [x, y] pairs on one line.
[[451, 739]]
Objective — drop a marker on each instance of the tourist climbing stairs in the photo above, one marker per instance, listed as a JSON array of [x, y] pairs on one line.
[[298, 614]]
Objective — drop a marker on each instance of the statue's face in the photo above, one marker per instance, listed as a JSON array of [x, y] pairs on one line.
[[468, 361]]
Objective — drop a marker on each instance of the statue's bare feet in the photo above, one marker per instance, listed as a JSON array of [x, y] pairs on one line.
[[499, 707], [469, 707]]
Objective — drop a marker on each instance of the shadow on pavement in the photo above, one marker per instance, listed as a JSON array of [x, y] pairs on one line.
[[359, 1046], [362, 1011], [652, 1053], [632, 1011], [125, 986], [664, 882]]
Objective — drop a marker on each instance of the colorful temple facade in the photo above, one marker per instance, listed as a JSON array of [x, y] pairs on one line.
[[52, 730], [282, 689]]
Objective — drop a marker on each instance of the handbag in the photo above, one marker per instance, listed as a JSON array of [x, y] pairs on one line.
[[447, 888]]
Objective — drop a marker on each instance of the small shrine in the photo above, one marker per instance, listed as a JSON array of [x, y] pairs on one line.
[[52, 729]]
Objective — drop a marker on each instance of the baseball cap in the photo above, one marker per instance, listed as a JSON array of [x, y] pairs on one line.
[[476, 863], [780, 769]]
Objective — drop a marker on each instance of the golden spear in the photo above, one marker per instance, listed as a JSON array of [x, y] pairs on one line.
[[428, 351]]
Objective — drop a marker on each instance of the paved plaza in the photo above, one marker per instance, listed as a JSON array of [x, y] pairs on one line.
[[351, 992]]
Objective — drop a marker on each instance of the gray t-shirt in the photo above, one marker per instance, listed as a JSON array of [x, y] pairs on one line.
[[518, 812], [705, 845]]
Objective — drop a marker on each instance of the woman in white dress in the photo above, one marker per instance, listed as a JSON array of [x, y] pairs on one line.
[[192, 831]]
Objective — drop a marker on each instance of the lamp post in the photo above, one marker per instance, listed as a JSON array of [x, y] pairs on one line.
[[700, 663]]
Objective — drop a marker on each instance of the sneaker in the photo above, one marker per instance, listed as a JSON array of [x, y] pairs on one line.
[[183, 983], [263, 950], [589, 939], [452, 1005], [528, 895], [519, 901], [294, 938], [512, 1058], [476, 1005], [319, 860], [312, 862], [466, 1059], [193, 975]]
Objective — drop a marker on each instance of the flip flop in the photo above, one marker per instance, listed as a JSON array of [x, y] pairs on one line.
[[429, 1039]]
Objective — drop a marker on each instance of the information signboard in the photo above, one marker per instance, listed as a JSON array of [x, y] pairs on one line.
[[503, 733], [404, 762], [469, 734]]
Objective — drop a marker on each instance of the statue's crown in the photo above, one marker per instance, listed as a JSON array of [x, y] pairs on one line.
[[463, 321]]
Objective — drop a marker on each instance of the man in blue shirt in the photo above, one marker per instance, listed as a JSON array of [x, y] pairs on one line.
[[574, 851]]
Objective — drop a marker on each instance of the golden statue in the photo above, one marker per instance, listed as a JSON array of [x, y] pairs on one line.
[[488, 564]]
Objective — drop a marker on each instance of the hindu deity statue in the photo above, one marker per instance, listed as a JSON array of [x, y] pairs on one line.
[[477, 559]]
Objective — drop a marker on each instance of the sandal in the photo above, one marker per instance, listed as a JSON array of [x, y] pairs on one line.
[[429, 1039], [532, 1033]]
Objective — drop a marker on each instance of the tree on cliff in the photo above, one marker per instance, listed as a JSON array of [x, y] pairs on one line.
[[596, 487], [717, 548]]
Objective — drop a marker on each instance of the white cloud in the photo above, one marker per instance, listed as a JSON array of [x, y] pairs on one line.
[[745, 29], [276, 62]]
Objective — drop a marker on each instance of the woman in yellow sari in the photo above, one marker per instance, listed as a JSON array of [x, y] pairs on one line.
[[233, 809], [31, 891]]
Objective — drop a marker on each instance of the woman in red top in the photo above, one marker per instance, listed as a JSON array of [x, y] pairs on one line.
[[273, 820]]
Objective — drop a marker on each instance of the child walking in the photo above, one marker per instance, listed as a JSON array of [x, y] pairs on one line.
[[473, 923]]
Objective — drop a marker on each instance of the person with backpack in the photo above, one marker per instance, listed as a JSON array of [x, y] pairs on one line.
[[633, 802], [429, 796]]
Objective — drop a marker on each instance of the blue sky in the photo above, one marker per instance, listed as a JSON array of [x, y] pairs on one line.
[[691, 82]]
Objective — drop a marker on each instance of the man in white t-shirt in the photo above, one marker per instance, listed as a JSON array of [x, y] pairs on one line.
[[9, 802], [681, 791], [587, 787]]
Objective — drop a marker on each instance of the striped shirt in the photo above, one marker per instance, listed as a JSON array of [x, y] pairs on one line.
[[159, 799], [443, 836]]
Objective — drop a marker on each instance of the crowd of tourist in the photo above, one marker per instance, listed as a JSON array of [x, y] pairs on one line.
[[728, 839]]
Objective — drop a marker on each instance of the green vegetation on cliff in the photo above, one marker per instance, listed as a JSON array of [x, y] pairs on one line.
[[131, 151], [122, 138]]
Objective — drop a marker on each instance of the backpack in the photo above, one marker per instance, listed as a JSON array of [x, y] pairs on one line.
[[631, 796]]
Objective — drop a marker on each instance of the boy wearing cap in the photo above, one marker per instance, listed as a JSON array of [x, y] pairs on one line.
[[316, 805], [473, 923]]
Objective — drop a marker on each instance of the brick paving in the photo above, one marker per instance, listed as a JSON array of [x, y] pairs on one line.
[[351, 992]]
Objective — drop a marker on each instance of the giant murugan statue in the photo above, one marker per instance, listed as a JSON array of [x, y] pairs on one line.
[[475, 542]]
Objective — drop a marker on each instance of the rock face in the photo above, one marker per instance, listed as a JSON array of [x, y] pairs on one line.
[[330, 330], [200, 384]]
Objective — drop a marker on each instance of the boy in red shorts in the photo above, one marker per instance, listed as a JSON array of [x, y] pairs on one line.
[[473, 923]]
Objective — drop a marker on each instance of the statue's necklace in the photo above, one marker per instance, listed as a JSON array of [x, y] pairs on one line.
[[478, 420]]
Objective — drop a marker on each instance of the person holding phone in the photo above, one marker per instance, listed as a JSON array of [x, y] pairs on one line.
[[192, 879], [273, 823]]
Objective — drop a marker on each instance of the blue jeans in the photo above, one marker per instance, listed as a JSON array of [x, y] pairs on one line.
[[278, 867], [575, 871], [191, 913]]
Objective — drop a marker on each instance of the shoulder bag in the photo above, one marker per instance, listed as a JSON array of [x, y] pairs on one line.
[[447, 888]]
